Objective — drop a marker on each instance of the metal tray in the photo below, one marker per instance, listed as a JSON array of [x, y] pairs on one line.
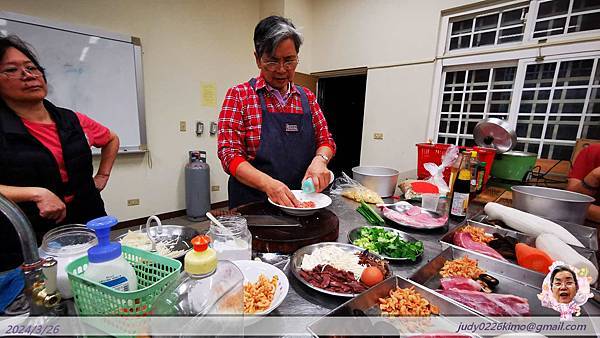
[[588, 236], [182, 234], [354, 234], [514, 280], [448, 240], [296, 263], [367, 304]]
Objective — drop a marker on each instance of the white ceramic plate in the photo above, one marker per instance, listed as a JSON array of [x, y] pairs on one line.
[[252, 270], [321, 201]]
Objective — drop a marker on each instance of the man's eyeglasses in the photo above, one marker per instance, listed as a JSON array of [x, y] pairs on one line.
[[18, 72], [568, 284], [274, 65]]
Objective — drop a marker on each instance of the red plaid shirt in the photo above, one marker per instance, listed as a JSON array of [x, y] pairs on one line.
[[241, 119]]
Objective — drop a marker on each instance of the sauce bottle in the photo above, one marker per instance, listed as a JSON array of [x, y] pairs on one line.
[[474, 164], [461, 190], [480, 176]]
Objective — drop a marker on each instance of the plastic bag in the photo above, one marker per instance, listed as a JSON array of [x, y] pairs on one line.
[[350, 188], [437, 171]]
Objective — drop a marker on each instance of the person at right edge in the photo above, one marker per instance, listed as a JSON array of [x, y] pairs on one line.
[[584, 178], [272, 134]]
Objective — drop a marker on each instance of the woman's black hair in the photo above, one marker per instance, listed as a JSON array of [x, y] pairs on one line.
[[560, 269], [23, 47], [270, 31]]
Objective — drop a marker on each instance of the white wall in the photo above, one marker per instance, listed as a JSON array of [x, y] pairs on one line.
[[402, 34], [185, 43]]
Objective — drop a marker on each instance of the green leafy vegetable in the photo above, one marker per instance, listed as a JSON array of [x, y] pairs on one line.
[[369, 214], [388, 243]]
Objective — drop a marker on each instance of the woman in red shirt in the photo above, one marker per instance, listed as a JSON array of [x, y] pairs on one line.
[[272, 134], [45, 157], [585, 178]]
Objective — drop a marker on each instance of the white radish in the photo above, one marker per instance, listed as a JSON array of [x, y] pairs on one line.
[[560, 251], [528, 223]]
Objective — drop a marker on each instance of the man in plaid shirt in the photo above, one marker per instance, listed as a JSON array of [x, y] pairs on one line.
[[272, 134]]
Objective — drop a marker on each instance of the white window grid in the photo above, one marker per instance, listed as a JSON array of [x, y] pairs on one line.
[[551, 94], [516, 34], [568, 103], [570, 26], [567, 22], [477, 100]]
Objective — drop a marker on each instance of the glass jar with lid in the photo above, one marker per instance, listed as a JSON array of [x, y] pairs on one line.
[[206, 287], [67, 243], [233, 240]]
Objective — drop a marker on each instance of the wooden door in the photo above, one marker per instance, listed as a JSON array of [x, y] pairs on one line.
[[306, 80]]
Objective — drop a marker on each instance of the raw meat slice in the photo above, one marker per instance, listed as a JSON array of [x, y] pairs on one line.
[[464, 239], [415, 217], [460, 283], [491, 304]]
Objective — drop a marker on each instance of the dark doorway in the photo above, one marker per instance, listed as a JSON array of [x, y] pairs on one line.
[[342, 100]]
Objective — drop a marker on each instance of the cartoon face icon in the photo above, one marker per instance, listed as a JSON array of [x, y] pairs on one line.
[[564, 285]]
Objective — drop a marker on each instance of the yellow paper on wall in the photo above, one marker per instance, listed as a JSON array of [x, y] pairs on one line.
[[209, 94]]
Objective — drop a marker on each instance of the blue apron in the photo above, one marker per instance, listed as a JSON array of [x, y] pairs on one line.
[[287, 147]]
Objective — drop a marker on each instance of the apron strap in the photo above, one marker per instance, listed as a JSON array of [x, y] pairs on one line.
[[261, 96], [304, 100]]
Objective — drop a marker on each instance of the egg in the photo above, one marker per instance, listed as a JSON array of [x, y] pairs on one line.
[[371, 276]]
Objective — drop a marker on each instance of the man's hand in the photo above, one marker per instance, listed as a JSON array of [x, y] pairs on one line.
[[279, 193], [593, 178], [100, 181], [318, 172], [51, 207]]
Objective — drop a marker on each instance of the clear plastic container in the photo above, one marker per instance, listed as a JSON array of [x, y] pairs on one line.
[[67, 243], [234, 242], [206, 287]]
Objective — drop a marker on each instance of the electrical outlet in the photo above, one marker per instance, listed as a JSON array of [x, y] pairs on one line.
[[215, 188], [132, 202], [378, 136], [182, 126]]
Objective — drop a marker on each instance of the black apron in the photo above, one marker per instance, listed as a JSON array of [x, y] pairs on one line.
[[25, 161], [287, 147]]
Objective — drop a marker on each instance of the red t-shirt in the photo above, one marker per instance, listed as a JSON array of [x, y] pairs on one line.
[[97, 135], [587, 160]]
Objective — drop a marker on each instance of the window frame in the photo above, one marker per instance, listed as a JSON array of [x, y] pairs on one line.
[[545, 49], [534, 9]]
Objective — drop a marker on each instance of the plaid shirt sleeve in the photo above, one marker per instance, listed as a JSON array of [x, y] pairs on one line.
[[230, 139], [322, 134]]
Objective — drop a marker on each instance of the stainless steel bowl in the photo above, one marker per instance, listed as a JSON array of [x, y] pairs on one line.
[[551, 203], [382, 180]]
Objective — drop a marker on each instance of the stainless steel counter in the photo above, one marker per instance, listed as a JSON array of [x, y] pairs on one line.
[[302, 300]]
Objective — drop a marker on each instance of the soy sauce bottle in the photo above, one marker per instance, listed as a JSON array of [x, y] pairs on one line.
[[462, 187]]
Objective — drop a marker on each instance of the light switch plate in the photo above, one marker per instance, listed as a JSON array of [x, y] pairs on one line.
[[182, 126], [378, 136]]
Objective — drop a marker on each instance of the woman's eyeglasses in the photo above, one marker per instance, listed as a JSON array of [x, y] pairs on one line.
[[19, 72], [274, 65]]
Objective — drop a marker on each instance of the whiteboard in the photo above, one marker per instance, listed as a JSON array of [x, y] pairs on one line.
[[93, 72]]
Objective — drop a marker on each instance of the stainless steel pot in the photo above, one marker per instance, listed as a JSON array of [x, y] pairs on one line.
[[382, 180], [551, 203]]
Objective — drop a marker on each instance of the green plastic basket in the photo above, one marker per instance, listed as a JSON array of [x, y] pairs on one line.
[[154, 274]]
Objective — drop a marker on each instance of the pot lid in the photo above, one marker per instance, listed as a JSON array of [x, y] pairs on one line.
[[495, 133]]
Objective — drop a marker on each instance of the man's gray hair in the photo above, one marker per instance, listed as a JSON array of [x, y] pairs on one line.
[[269, 32]]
